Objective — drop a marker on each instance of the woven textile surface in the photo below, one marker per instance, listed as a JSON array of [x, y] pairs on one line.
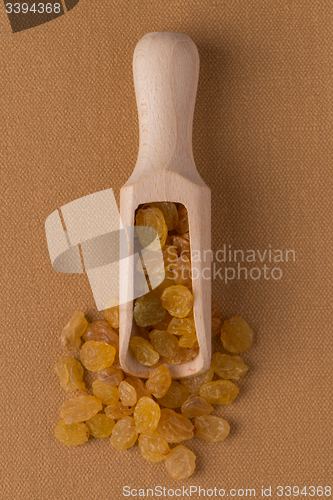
[[262, 142]]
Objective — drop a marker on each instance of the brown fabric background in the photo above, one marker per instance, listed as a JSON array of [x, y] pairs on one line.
[[262, 142]]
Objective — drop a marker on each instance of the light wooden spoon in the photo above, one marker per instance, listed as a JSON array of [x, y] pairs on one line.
[[166, 69]]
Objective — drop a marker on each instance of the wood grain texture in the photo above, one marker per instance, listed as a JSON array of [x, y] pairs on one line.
[[166, 69]]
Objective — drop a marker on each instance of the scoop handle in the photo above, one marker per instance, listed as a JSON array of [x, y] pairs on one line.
[[166, 71]]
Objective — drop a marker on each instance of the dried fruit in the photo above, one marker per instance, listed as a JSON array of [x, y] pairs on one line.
[[195, 406], [220, 392], [216, 327], [118, 410], [168, 281], [109, 395], [146, 415], [151, 217], [174, 427], [71, 434], [177, 300], [184, 356], [127, 394], [229, 367], [143, 351], [96, 356], [182, 226], [102, 331], [169, 255], [176, 395], [182, 245], [72, 332], [188, 340], [170, 213], [124, 434], [148, 310], [153, 447], [180, 463], [80, 409], [194, 383], [236, 335], [211, 428], [100, 426], [164, 343], [70, 373], [112, 316], [182, 271], [111, 375], [181, 326], [139, 386], [163, 325], [159, 381]]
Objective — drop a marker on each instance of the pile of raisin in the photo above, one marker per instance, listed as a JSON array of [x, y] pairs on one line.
[[159, 413], [165, 314]]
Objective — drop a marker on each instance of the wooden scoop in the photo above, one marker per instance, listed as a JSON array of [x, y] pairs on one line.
[[166, 69]]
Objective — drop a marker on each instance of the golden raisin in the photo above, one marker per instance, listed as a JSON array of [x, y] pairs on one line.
[[159, 382], [148, 310], [211, 428], [70, 373], [127, 394], [170, 213], [102, 331], [175, 427], [151, 217], [124, 434], [229, 367], [96, 356], [181, 326], [80, 409], [194, 382], [72, 332], [182, 226], [153, 447], [109, 395], [177, 300], [111, 375], [71, 434], [220, 392], [138, 385], [164, 343], [184, 356], [152, 265], [100, 426], [118, 410], [176, 395], [163, 325], [146, 415], [180, 463], [182, 245], [182, 271], [169, 255], [188, 340], [143, 351], [195, 406], [112, 316], [168, 281], [236, 335]]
